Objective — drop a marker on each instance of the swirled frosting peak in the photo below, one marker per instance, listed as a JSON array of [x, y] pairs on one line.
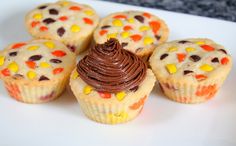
[[110, 68]]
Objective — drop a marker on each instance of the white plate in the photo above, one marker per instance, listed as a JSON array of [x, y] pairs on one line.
[[162, 121]]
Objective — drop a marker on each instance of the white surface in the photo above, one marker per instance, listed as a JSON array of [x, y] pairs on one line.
[[162, 121]]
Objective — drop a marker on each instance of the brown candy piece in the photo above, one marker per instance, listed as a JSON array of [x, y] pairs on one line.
[[61, 31], [49, 21], [105, 26], [53, 12], [157, 37], [139, 18], [187, 72], [183, 42], [42, 7], [134, 89], [163, 56], [43, 78], [223, 50], [55, 60], [215, 60], [12, 54], [124, 44], [195, 58], [139, 49], [35, 57]]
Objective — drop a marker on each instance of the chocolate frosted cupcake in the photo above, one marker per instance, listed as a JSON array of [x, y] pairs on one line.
[[137, 31], [36, 71], [191, 70], [69, 22], [111, 84]]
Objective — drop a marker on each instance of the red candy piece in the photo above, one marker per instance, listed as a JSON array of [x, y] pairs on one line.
[[224, 61], [75, 8], [120, 17], [105, 94], [147, 15], [200, 77], [6, 72], [181, 56], [63, 18], [43, 28], [127, 28], [35, 23], [207, 48], [88, 21], [155, 25], [59, 53], [136, 37], [57, 70], [18, 45], [31, 64], [102, 32]]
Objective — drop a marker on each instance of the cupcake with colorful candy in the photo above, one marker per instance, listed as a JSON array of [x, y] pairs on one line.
[[36, 71], [191, 70], [139, 32], [111, 84], [65, 21]]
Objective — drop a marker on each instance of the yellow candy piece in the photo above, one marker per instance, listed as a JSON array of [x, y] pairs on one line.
[[75, 28], [64, 3], [120, 95], [111, 35], [89, 12], [172, 49], [13, 67], [49, 44], [148, 40], [190, 49], [131, 20], [171, 68], [38, 16], [32, 48], [125, 34], [206, 67], [200, 43], [31, 74], [87, 89], [75, 75], [144, 28], [114, 118], [117, 22], [2, 60], [44, 65]]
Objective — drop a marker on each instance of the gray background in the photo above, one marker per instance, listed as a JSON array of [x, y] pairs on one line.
[[221, 9]]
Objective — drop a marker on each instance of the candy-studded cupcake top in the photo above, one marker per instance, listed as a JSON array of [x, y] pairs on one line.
[[61, 21], [191, 59], [109, 68], [38, 60], [138, 32]]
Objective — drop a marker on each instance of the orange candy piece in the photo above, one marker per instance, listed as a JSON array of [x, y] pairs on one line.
[[63, 18], [147, 15], [138, 104], [224, 61], [120, 17], [31, 64], [105, 95], [155, 25], [181, 56], [57, 70], [127, 28], [6, 72], [43, 28], [207, 48], [200, 77], [136, 37], [75, 8], [102, 32], [59, 53], [18, 45], [35, 23], [88, 21], [208, 91]]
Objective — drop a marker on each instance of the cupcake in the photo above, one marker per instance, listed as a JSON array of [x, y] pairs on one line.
[[36, 71], [65, 21], [111, 84], [190, 70], [138, 32]]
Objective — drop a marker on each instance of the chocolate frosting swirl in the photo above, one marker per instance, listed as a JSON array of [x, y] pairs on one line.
[[110, 68]]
